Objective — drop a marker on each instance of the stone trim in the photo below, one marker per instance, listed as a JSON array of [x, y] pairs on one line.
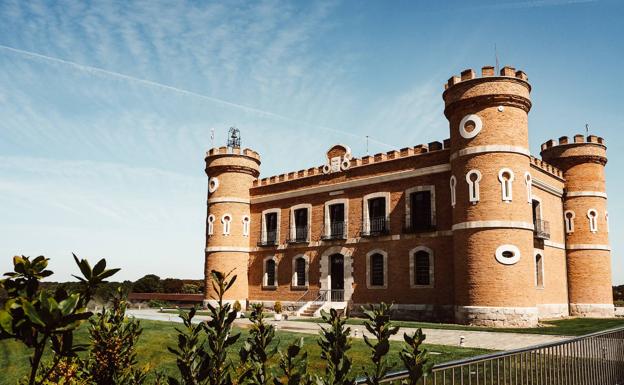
[[554, 245], [211, 219], [568, 222], [228, 200], [528, 181], [599, 194], [365, 213], [265, 275], [506, 190], [595, 310], [384, 254], [490, 148], [540, 184], [497, 316], [294, 270], [408, 202], [587, 246], [325, 280], [233, 249], [327, 223], [453, 187], [390, 177], [307, 206], [470, 118], [592, 215], [227, 223], [552, 310], [278, 211], [493, 224], [473, 186]]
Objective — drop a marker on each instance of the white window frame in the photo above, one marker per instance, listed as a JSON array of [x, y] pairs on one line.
[[412, 269], [408, 202], [365, 213], [504, 260], [211, 221], [265, 275], [307, 206], [453, 186], [593, 220], [294, 270], [246, 225], [528, 179], [278, 211], [541, 254], [227, 224], [213, 184], [569, 222], [462, 126], [473, 187], [369, 271], [326, 225], [506, 185]]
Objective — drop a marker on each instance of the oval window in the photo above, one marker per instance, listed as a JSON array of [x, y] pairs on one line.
[[507, 254]]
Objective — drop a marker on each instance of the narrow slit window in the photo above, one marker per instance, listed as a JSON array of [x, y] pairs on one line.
[[226, 220], [506, 177], [539, 270], [529, 186], [592, 214], [211, 220], [473, 178], [245, 226], [453, 185], [568, 218]]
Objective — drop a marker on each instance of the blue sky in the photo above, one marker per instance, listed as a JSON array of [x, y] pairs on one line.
[[106, 108]]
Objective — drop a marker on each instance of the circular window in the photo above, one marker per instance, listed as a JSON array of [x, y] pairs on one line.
[[213, 184], [345, 164], [470, 126], [507, 254]]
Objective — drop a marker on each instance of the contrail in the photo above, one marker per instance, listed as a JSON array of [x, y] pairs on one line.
[[100, 71]]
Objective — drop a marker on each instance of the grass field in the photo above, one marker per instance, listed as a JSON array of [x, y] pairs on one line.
[[152, 351], [564, 327]]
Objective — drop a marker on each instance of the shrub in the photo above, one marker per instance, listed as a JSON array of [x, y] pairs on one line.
[[189, 288], [237, 306], [255, 353], [277, 307], [378, 324], [157, 303], [334, 342], [148, 284]]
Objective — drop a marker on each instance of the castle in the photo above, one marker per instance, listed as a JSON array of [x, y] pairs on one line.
[[472, 230]]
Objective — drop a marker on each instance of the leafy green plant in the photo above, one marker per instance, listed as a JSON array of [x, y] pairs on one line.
[[378, 324], [277, 307], [38, 318], [334, 342], [414, 359], [255, 353], [237, 306], [294, 366], [192, 359]]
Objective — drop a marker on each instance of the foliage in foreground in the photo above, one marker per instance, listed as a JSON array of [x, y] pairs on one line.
[[38, 319]]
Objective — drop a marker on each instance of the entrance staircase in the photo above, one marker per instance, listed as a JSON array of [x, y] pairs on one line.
[[310, 310], [311, 303]]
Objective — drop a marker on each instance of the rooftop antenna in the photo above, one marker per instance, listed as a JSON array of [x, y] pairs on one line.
[[587, 128], [366, 145], [212, 130], [496, 57], [234, 138]]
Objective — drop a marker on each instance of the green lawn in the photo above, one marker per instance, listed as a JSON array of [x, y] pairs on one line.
[[564, 327], [206, 312], [151, 351]]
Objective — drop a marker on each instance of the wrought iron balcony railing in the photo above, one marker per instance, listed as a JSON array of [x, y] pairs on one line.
[[268, 239], [298, 234], [375, 227], [541, 229], [335, 230]]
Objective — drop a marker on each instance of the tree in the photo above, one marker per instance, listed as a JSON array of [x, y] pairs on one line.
[[148, 284]]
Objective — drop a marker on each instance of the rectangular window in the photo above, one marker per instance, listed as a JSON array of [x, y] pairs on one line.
[[301, 224], [420, 210], [300, 266], [270, 220], [377, 270], [421, 268], [336, 220]]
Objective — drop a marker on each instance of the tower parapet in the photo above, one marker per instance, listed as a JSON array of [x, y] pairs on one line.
[[492, 217], [231, 173], [582, 161]]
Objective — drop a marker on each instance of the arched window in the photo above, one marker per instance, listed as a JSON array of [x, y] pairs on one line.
[[211, 219], [529, 186], [376, 269], [473, 178], [506, 177], [270, 272], [421, 267], [226, 219], [592, 214], [300, 271], [246, 221], [568, 219], [453, 184], [539, 270]]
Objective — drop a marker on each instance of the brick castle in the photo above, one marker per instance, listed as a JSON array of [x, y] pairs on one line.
[[472, 230]]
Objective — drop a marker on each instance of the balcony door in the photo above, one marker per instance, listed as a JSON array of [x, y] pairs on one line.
[[377, 215], [420, 206], [337, 277], [271, 227], [336, 220], [301, 225]]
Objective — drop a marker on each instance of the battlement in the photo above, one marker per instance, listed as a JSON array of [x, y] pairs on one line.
[[549, 168], [486, 72], [358, 162], [577, 139], [216, 151]]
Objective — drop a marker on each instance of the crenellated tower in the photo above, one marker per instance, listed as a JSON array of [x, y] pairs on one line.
[[231, 173], [585, 221], [492, 215]]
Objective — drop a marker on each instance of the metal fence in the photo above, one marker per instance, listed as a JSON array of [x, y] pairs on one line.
[[593, 359]]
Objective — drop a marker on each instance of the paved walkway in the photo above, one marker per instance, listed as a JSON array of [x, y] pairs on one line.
[[472, 339]]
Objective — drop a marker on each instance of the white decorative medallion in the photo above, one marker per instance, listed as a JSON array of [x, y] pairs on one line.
[[338, 159], [478, 125]]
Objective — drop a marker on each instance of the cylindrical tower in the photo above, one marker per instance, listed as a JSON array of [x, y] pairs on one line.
[[231, 172], [492, 215], [586, 222]]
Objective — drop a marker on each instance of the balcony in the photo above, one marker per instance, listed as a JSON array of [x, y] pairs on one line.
[[335, 230], [269, 239], [417, 227], [541, 229], [375, 227], [298, 234]]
